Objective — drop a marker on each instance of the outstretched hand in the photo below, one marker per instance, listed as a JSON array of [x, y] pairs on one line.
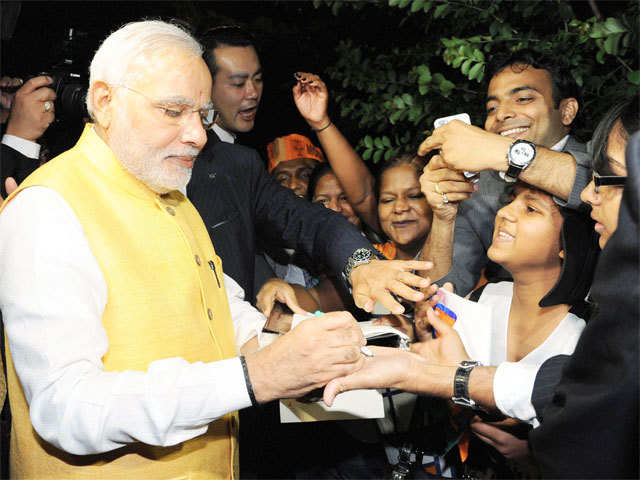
[[311, 97], [377, 280], [307, 357], [388, 368]]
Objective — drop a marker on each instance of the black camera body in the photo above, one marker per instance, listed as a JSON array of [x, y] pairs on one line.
[[71, 92]]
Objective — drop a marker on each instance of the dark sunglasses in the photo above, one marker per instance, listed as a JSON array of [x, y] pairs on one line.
[[608, 181]]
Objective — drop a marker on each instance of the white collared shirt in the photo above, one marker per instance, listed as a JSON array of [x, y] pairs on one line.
[[224, 135], [52, 296], [25, 147]]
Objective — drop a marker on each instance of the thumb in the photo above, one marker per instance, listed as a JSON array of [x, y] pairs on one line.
[[441, 326], [333, 388], [10, 185]]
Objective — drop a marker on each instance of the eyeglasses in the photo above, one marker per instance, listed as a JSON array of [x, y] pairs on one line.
[[177, 113], [608, 181]]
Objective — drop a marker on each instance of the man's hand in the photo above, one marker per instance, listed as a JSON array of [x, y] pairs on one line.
[[9, 185], [465, 147], [277, 290], [313, 353], [507, 444], [436, 181], [388, 368], [375, 281], [311, 97], [32, 111]]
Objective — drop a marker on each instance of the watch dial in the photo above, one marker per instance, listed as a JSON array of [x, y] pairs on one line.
[[522, 154]]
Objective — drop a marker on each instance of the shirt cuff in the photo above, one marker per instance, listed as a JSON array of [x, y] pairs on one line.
[[512, 388], [234, 394], [25, 147]]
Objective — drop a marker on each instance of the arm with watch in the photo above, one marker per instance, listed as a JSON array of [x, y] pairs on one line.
[[466, 147]]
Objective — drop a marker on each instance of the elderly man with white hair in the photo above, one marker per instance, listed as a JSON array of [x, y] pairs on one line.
[[122, 353]]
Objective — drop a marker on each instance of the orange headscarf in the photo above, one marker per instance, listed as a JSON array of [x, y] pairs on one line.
[[292, 147]]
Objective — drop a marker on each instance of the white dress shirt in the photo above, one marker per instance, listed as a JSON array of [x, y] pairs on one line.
[[25, 147], [52, 296], [224, 135], [513, 381]]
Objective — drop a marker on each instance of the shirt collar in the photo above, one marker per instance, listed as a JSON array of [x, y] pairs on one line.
[[561, 144], [224, 135]]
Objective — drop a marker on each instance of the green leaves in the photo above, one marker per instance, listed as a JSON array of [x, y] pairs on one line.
[[389, 92], [467, 55]]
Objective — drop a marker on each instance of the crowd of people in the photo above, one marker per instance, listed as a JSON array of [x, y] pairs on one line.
[[150, 275]]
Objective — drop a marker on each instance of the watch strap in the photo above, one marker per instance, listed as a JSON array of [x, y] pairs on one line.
[[461, 384]]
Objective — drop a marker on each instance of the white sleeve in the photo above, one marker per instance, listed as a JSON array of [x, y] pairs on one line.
[[25, 147], [52, 296], [512, 389], [247, 320]]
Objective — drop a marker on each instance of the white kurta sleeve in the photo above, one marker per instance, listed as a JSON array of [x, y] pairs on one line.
[[52, 296], [247, 320]]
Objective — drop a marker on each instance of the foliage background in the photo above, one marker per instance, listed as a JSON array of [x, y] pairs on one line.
[[392, 66]]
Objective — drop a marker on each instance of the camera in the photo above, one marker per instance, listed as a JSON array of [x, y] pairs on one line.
[[69, 84]]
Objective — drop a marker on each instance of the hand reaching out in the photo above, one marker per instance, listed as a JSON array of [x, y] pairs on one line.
[[311, 97]]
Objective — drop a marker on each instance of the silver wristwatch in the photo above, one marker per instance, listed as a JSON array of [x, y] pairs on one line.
[[359, 257], [520, 155], [461, 383]]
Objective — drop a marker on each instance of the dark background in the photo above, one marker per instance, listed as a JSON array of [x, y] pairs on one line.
[[291, 36]]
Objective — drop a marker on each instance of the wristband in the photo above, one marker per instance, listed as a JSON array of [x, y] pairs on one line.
[[318, 130], [247, 380]]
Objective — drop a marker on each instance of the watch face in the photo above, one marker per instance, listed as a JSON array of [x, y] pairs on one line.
[[521, 153]]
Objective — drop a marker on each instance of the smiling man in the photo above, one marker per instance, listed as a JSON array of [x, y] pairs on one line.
[[531, 104], [123, 333]]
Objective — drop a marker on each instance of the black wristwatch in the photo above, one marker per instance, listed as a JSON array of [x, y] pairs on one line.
[[461, 383], [520, 155]]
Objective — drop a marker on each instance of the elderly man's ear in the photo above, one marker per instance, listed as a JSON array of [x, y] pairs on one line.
[[102, 101]]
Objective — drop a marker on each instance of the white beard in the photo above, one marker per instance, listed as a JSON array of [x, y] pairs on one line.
[[149, 164]]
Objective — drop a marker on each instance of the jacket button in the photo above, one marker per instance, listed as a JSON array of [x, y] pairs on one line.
[[171, 211], [210, 314], [198, 261]]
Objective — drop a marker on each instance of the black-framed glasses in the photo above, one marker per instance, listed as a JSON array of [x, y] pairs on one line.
[[608, 181]]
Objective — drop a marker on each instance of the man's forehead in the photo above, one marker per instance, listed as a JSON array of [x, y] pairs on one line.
[[177, 77], [237, 60], [517, 77]]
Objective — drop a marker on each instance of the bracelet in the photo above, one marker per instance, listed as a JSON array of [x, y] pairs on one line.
[[273, 332], [318, 130], [247, 380]]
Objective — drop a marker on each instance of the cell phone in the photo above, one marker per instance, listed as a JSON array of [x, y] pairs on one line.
[[463, 117]]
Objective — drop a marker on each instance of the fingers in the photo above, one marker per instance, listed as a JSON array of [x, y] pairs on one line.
[[406, 292], [10, 185], [430, 143], [306, 78], [383, 297], [441, 326], [448, 287], [413, 265], [292, 302], [35, 83]]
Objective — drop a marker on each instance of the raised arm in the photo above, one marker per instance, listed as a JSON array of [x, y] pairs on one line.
[[444, 189], [311, 97]]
